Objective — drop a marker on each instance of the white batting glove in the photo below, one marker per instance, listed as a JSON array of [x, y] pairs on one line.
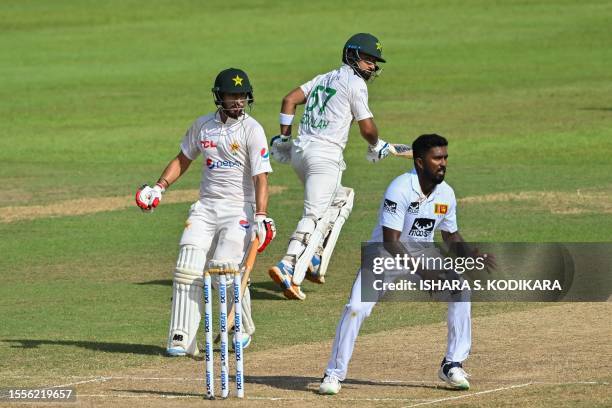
[[147, 198], [378, 152], [265, 230], [280, 148]]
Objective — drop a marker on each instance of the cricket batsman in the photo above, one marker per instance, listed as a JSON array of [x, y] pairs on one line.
[[333, 101], [232, 207], [415, 205]]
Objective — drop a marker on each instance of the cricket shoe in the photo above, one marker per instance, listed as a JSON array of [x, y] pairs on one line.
[[246, 341], [179, 351], [176, 351], [282, 273], [312, 273], [330, 385], [453, 374]]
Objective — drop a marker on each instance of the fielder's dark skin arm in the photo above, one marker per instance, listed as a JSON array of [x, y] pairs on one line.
[[453, 240], [175, 169], [456, 244]]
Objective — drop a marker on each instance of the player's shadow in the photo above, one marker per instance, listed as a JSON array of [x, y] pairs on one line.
[[259, 290], [160, 282], [162, 393], [296, 383], [144, 349], [266, 291]]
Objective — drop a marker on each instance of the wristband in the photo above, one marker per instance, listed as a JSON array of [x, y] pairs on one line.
[[285, 119]]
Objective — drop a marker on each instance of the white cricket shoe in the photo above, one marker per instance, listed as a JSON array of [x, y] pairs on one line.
[[330, 385], [453, 374]]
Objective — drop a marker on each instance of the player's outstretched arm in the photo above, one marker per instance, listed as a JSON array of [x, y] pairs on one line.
[[147, 198]]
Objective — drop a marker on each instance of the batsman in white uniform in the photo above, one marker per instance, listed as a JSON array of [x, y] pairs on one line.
[[414, 206], [231, 208], [333, 101]]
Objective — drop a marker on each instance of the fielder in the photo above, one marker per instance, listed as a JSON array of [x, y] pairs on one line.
[[333, 101], [231, 208], [414, 206]]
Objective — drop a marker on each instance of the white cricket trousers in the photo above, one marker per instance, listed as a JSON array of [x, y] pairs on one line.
[[319, 166], [459, 338], [222, 229]]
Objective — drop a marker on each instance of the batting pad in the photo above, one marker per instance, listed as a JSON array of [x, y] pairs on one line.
[[186, 301]]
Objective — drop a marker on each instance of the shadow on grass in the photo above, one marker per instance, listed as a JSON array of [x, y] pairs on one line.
[[292, 383], [312, 383], [259, 290], [144, 349], [160, 282], [266, 290]]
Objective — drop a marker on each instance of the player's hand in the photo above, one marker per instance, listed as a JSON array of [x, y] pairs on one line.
[[488, 258], [147, 198], [280, 148], [379, 151], [265, 230]]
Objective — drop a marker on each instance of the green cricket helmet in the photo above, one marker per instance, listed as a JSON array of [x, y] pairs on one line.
[[358, 44], [232, 81]]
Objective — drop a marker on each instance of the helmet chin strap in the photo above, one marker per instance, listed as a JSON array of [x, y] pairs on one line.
[[354, 63], [228, 111]]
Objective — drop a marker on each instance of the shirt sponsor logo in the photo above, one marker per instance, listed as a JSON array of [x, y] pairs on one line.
[[208, 144], [234, 148], [422, 227], [244, 224], [264, 153], [218, 164], [389, 206], [440, 209], [413, 208]]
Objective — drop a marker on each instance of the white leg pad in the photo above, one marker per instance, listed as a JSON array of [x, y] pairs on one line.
[[299, 239], [343, 210], [314, 241], [248, 326], [187, 299]]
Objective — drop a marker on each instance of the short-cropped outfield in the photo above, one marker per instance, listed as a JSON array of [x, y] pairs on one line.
[[94, 102]]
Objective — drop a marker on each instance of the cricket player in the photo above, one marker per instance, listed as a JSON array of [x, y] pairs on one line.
[[414, 206], [333, 101], [232, 205]]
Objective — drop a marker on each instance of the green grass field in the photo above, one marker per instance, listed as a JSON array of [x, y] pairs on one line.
[[95, 98]]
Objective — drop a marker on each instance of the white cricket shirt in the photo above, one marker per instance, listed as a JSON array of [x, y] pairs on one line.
[[404, 208], [233, 151], [333, 100]]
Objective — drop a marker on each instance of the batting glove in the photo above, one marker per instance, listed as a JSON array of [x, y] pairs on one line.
[[378, 152], [280, 148], [147, 198], [265, 230]]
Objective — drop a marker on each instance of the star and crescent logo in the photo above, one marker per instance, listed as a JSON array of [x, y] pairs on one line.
[[379, 46], [237, 80]]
